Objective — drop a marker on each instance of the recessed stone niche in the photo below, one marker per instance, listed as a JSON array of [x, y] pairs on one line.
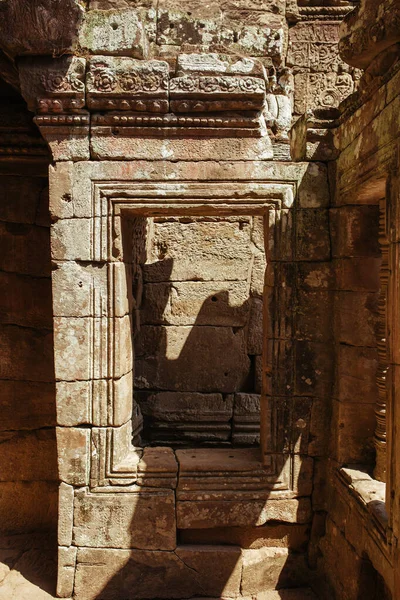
[[198, 328]]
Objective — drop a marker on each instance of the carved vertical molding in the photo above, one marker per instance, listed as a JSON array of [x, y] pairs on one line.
[[380, 437]]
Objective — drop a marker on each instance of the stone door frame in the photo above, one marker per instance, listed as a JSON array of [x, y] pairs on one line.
[[106, 455]]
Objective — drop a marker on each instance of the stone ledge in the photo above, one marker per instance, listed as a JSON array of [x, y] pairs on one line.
[[369, 493]]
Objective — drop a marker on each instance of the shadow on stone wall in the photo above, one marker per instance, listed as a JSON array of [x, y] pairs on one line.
[[28, 465]]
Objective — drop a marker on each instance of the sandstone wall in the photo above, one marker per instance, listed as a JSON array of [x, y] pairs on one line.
[[362, 512], [28, 466]]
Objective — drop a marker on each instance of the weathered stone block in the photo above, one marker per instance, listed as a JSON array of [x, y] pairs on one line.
[[357, 318], [321, 414], [176, 25], [27, 405], [354, 231], [316, 275], [217, 64], [270, 535], [217, 570], [187, 416], [314, 369], [26, 353], [225, 513], [71, 239], [190, 359], [255, 331], [31, 574], [358, 274], [314, 189], [356, 374], [65, 514], [179, 252], [257, 278], [303, 467], [25, 249], [73, 345], [123, 346], [28, 505], [73, 402], [300, 425], [273, 6], [73, 450], [355, 429], [24, 453], [313, 316], [197, 302], [55, 32], [312, 235], [79, 290], [122, 147], [268, 568], [281, 234], [20, 198], [103, 574], [114, 32], [66, 571], [278, 369], [254, 38], [246, 419], [26, 301], [144, 520], [158, 467], [123, 401]]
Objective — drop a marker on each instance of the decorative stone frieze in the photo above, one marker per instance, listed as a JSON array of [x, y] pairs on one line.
[[141, 98], [127, 84], [216, 93]]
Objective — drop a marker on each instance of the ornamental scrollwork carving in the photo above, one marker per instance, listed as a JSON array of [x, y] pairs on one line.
[[217, 85], [126, 76]]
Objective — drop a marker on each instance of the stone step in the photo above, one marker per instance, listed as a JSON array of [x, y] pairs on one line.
[[288, 594]]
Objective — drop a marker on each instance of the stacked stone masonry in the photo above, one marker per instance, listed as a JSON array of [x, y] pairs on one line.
[[199, 215]]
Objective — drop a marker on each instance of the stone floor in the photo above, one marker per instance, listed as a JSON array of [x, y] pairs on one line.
[[28, 567], [28, 571]]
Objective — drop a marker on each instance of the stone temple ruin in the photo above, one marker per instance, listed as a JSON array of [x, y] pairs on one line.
[[200, 299]]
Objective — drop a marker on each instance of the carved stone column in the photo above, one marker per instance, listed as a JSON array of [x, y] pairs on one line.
[[383, 365]]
